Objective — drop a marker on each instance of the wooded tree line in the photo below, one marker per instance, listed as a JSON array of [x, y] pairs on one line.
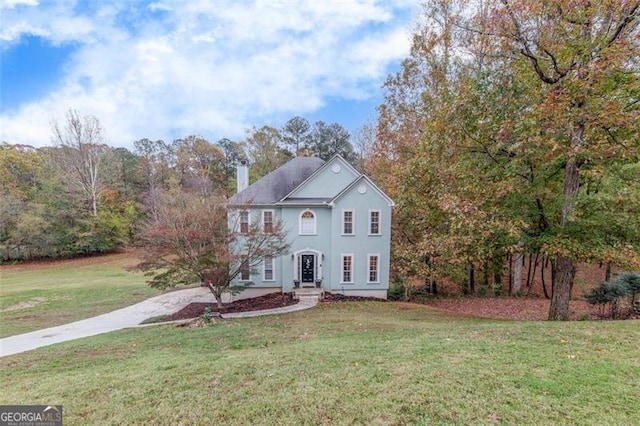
[[81, 196], [513, 128]]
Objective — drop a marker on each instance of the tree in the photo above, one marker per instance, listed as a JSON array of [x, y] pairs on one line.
[[265, 151], [190, 241], [199, 164], [327, 140], [81, 149], [508, 112], [580, 52], [155, 163], [295, 133]]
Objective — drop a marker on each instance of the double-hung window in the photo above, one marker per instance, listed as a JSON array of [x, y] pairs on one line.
[[268, 269], [347, 268], [267, 221], [374, 222], [245, 272], [374, 268], [347, 222], [244, 222]]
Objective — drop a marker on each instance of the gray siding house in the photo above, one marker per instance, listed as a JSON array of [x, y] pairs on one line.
[[337, 220]]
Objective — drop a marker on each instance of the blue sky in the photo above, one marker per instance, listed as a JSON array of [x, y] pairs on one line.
[[213, 68]]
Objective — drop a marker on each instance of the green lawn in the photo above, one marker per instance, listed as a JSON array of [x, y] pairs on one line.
[[39, 296], [354, 363]]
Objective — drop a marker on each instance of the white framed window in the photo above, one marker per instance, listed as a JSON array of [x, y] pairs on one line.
[[347, 222], [244, 222], [374, 268], [268, 269], [245, 271], [307, 223], [347, 268], [267, 220], [374, 222]]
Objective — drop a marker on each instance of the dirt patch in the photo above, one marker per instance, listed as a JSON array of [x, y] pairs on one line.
[[269, 301], [519, 309], [31, 303]]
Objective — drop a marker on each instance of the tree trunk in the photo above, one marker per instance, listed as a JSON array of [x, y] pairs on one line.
[[607, 272], [565, 266], [561, 289], [517, 274], [531, 275], [510, 259], [485, 274], [544, 284], [469, 287], [94, 205], [217, 295]]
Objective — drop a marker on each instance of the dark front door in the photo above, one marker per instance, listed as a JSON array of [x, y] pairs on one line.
[[308, 268]]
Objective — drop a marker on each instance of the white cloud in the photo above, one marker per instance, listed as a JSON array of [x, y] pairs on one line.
[[10, 4], [209, 68]]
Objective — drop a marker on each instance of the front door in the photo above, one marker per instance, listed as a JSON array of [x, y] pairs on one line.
[[308, 268]]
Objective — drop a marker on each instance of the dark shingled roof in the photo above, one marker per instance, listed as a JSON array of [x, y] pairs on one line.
[[274, 186]]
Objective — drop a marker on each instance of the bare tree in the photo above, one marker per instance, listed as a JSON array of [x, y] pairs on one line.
[[80, 152]]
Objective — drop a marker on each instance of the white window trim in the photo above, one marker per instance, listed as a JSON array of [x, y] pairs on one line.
[[315, 223], [379, 223], [353, 261], [369, 256], [273, 270], [273, 217], [353, 222], [240, 221]]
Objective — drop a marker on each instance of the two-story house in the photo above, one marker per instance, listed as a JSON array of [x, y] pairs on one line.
[[337, 220]]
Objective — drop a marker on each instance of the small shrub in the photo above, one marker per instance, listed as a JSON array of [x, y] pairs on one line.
[[395, 292], [608, 293], [482, 290], [584, 317], [497, 289], [206, 315]]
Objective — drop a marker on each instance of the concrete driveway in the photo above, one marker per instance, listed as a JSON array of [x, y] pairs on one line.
[[130, 316]]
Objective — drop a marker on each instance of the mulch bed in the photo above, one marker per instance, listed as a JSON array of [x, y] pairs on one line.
[[269, 301], [334, 298]]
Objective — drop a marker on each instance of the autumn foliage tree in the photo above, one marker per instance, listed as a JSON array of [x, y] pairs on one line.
[[190, 241], [507, 121]]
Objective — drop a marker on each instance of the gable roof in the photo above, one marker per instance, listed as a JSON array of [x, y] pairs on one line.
[[337, 157], [280, 182], [356, 182]]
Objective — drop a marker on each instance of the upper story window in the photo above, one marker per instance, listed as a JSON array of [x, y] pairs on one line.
[[307, 223], [244, 222], [347, 222], [374, 222], [267, 220]]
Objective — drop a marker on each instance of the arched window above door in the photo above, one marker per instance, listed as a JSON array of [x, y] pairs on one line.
[[307, 223]]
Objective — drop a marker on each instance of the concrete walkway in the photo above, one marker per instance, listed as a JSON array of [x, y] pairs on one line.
[[131, 316]]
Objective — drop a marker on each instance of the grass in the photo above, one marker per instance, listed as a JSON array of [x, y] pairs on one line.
[[35, 296], [351, 363]]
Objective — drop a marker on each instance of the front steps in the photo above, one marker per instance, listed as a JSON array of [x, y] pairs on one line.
[[308, 293]]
